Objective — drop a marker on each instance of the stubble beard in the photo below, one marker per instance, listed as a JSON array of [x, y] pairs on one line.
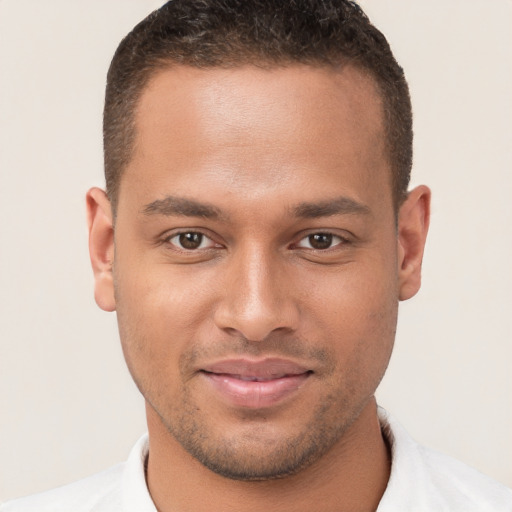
[[254, 453], [256, 456]]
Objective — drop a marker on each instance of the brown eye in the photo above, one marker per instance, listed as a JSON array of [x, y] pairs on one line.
[[191, 240], [320, 241]]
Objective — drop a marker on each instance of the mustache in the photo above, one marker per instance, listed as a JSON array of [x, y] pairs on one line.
[[278, 346]]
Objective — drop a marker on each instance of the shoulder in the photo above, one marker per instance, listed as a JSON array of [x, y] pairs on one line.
[[423, 479], [99, 492], [464, 485], [122, 487]]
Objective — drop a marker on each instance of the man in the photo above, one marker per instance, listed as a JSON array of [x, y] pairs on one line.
[[255, 239]]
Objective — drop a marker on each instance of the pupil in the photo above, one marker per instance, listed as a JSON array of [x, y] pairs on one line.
[[191, 240], [320, 241]]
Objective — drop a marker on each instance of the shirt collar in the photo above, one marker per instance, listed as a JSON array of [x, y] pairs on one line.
[[136, 497], [405, 490]]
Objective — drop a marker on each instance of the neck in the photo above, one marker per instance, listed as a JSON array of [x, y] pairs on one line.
[[352, 476]]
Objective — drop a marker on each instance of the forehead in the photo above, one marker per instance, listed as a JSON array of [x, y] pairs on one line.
[[244, 99], [256, 127]]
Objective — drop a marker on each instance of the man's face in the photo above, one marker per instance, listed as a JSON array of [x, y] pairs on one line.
[[256, 262]]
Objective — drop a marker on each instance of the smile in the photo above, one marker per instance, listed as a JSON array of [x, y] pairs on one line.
[[255, 385], [256, 379]]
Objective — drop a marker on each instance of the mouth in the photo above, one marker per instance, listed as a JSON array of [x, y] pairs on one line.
[[255, 384]]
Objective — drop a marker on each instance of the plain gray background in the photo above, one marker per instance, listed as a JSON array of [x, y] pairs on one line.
[[68, 407]]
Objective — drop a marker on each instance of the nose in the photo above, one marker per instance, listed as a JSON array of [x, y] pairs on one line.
[[258, 297]]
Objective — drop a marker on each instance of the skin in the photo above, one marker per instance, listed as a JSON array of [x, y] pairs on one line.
[[257, 161]]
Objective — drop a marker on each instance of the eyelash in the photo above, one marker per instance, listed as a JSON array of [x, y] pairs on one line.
[[341, 240], [168, 240], [214, 245]]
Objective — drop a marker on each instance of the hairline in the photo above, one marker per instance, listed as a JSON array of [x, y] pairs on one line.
[[162, 64]]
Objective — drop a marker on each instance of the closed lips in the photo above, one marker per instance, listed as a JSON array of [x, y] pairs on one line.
[[255, 384], [265, 369]]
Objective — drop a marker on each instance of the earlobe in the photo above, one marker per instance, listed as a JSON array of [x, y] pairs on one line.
[[101, 247], [413, 222]]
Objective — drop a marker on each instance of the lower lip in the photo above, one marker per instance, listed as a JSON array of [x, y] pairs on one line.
[[255, 394]]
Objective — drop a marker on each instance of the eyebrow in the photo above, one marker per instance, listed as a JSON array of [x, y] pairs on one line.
[[184, 207], [180, 206], [337, 206]]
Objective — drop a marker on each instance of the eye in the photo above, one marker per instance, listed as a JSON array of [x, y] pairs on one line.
[[190, 241], [320, 241]]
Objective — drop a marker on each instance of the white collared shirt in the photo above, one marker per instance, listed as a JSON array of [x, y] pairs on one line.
[[421, 480]]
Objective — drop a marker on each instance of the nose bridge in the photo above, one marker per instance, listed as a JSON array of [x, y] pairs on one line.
[[256, 301]]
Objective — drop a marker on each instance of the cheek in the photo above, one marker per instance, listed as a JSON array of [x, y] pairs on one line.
[[355, 309], [159, 313], [360, 295], [161, 299]]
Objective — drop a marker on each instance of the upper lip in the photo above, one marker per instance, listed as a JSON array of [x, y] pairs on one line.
[[269, 368]]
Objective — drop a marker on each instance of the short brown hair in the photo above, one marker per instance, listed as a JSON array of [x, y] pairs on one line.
[[229, 33]]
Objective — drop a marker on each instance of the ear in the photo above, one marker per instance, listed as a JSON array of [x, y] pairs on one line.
[[101, 247], [413, 222]]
